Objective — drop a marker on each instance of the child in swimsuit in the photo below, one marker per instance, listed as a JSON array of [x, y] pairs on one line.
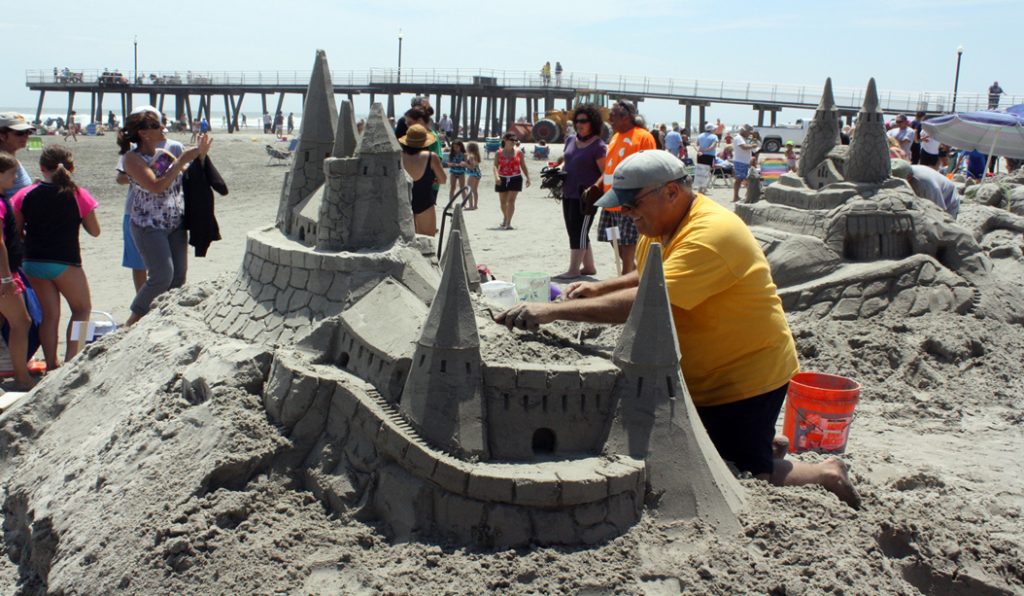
[[457, 167], [49, 214], [473, 173], [12, 302]]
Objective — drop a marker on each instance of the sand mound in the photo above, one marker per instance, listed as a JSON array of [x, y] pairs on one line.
[[165, 484]]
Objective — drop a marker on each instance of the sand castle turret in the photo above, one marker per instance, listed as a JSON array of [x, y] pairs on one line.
[[868, 159], [345, 141], [459, 223], [365, 203], [657, 421], [442, 395], [316, 141], [822, 133]]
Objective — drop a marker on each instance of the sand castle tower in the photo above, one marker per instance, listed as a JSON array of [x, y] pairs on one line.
[[459, 224], [345, 141], [868, 159], [443, 393], [657, 421], [822, 133], [316, 140], [365, 202]]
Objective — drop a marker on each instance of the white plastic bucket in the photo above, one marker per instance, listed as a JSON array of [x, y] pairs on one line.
[[500, 293]]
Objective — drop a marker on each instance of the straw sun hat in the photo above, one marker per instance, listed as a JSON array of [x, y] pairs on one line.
[[418, 136]]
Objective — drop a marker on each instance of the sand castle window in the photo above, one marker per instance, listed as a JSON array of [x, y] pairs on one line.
[[302, 234], [543, 441], [565, 403], [544, 404], [343, 359], [444, 366], [671, 387]]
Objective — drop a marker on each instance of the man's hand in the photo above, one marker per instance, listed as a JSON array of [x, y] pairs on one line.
[[581, 289], [526, 316]]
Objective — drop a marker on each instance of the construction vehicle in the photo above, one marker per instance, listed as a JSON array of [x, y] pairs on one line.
[[555, 125]]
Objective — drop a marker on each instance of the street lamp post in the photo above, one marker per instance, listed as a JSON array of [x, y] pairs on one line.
[[399, 56], [956, 80], [135, 75]]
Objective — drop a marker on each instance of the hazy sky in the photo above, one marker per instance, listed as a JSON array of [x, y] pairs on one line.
[[905, 45]]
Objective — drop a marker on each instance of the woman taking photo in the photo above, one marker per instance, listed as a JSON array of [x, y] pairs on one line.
[[509, 171], [157, 205], [49, 215], [423, 166], [583, 164]]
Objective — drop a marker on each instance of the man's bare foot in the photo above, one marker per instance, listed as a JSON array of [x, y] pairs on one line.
[[132, 319], [780, 446], [25, 384], [588, 271], [568, 275], [837, 481]]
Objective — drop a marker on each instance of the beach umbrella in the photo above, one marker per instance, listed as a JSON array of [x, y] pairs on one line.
[[991, 132]]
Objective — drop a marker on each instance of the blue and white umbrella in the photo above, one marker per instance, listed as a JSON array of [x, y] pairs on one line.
[[991, 132]]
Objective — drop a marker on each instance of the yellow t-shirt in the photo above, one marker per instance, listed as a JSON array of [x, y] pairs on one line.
[[733, 335]]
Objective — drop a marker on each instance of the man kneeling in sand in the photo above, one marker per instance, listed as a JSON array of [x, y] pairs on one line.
[[737, 351]]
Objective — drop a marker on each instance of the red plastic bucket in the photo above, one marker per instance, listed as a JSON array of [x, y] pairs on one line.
[[819, 412]]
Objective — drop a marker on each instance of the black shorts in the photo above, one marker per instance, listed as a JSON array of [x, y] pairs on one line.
[[706, 160], [509, 184], [742, 431], [929, 159]]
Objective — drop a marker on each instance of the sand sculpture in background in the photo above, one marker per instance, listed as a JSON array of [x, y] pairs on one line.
[[846, 240], [397, 401]]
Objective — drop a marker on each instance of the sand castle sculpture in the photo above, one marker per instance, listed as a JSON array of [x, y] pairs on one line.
[[846, 240], [395, 399]]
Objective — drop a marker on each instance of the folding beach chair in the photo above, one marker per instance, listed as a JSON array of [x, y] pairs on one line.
[[491, 145], [277, 156], [35, 144], [771, 169]]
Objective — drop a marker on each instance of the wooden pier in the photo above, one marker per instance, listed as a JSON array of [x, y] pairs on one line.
[[481, 102]]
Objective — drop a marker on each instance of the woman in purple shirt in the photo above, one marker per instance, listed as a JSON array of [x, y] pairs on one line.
[[583, 164]]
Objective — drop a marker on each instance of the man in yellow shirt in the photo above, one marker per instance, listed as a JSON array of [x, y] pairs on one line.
[[737, 351]]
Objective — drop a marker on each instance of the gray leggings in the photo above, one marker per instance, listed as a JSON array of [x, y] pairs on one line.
[[165, 253]]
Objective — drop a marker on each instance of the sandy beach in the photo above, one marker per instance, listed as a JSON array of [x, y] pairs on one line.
[[935, 449]]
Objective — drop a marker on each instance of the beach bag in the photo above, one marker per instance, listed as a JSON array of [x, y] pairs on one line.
[[588, 198]]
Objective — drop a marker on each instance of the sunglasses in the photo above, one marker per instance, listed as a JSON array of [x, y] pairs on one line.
[[151, 126], [20, 133], [582, 121]]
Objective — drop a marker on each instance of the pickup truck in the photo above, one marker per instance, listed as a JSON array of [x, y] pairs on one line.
[[773, 138]]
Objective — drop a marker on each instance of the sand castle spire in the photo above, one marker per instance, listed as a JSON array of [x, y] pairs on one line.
[[442, 395], [316, 141], [656, 419], [868, 158], [366, 201], [345, 141], [459, 223], [822, 133]]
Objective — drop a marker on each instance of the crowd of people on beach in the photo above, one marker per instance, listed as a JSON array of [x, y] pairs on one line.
[[40, 254]]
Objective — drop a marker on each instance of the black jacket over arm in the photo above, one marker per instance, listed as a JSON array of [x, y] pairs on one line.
[[201, 179]]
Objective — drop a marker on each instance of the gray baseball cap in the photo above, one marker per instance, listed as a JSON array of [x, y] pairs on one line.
[[640, 170]]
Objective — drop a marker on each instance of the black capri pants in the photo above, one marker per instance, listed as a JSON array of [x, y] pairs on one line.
[[572, 213]]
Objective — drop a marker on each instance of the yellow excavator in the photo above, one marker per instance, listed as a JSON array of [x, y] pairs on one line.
[[555, 125]]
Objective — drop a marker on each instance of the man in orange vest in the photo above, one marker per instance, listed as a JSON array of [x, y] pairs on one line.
[[627, 140]]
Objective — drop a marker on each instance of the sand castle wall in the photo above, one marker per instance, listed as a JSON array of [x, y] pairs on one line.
[[355, 450], [284, 286]]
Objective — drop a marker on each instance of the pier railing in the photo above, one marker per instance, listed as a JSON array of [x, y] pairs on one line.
[[768, 94]]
